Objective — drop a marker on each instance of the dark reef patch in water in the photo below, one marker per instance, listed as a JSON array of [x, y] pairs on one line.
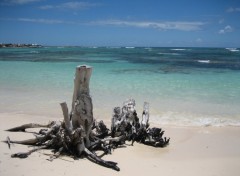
[[174, 61], [164, 70]]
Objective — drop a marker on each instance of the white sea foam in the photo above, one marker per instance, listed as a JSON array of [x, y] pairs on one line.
[[204, 61], [178, 49], [174, 119], [148, 48], [232, 49], [129, 47]]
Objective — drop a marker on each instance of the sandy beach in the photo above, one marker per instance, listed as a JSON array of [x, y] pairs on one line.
[[173, 64], [192, 151]]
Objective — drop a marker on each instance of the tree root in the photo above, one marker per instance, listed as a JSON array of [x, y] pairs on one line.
[[61, 140], [26, 154], [96, 159], [30, 125]]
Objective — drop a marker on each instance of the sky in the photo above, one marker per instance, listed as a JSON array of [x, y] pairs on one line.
[[149, 23]]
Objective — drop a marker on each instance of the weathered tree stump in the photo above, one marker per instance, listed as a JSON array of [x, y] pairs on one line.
[[80, 135], [82, 108]]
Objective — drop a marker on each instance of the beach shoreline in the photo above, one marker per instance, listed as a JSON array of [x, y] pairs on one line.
[[192, 151], [180, 89]]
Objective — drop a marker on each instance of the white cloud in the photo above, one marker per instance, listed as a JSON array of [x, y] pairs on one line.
[[70, 6], [43, 20], [46, 7], [231, 9], [226, 29], [167, 25], [221, 21], [199, 40], [177, 25], [46, 21], [18, 2]]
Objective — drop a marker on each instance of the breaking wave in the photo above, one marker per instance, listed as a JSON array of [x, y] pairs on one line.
[[188, 120], [204, 61], [178, 49], [232, 49]]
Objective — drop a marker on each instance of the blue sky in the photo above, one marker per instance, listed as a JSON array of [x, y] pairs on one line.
[[202, 23]]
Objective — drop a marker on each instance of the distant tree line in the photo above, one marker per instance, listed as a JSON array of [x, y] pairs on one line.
[[14, 45]]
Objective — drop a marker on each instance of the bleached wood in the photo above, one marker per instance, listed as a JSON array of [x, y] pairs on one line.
[[68, 122], [81, 82], [145, 116], [30, 125], [82, 108]]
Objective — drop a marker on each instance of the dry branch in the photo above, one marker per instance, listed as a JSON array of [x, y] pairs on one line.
[[30, 125]]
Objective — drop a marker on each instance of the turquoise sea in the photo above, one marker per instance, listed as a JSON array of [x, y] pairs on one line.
[[184, 86]]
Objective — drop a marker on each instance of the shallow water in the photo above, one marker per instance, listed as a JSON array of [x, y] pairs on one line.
[[184, 86]]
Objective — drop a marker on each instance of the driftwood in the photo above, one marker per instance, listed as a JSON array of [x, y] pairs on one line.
[[80, 135], [30, 125], [82, 108]]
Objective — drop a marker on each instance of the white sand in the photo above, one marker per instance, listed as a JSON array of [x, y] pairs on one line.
[[203, 151]]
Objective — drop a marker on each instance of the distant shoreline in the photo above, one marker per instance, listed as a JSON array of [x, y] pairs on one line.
[[13, 45], [174, 48]]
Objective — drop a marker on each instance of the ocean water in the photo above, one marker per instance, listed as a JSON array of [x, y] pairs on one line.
[[184, 86]]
